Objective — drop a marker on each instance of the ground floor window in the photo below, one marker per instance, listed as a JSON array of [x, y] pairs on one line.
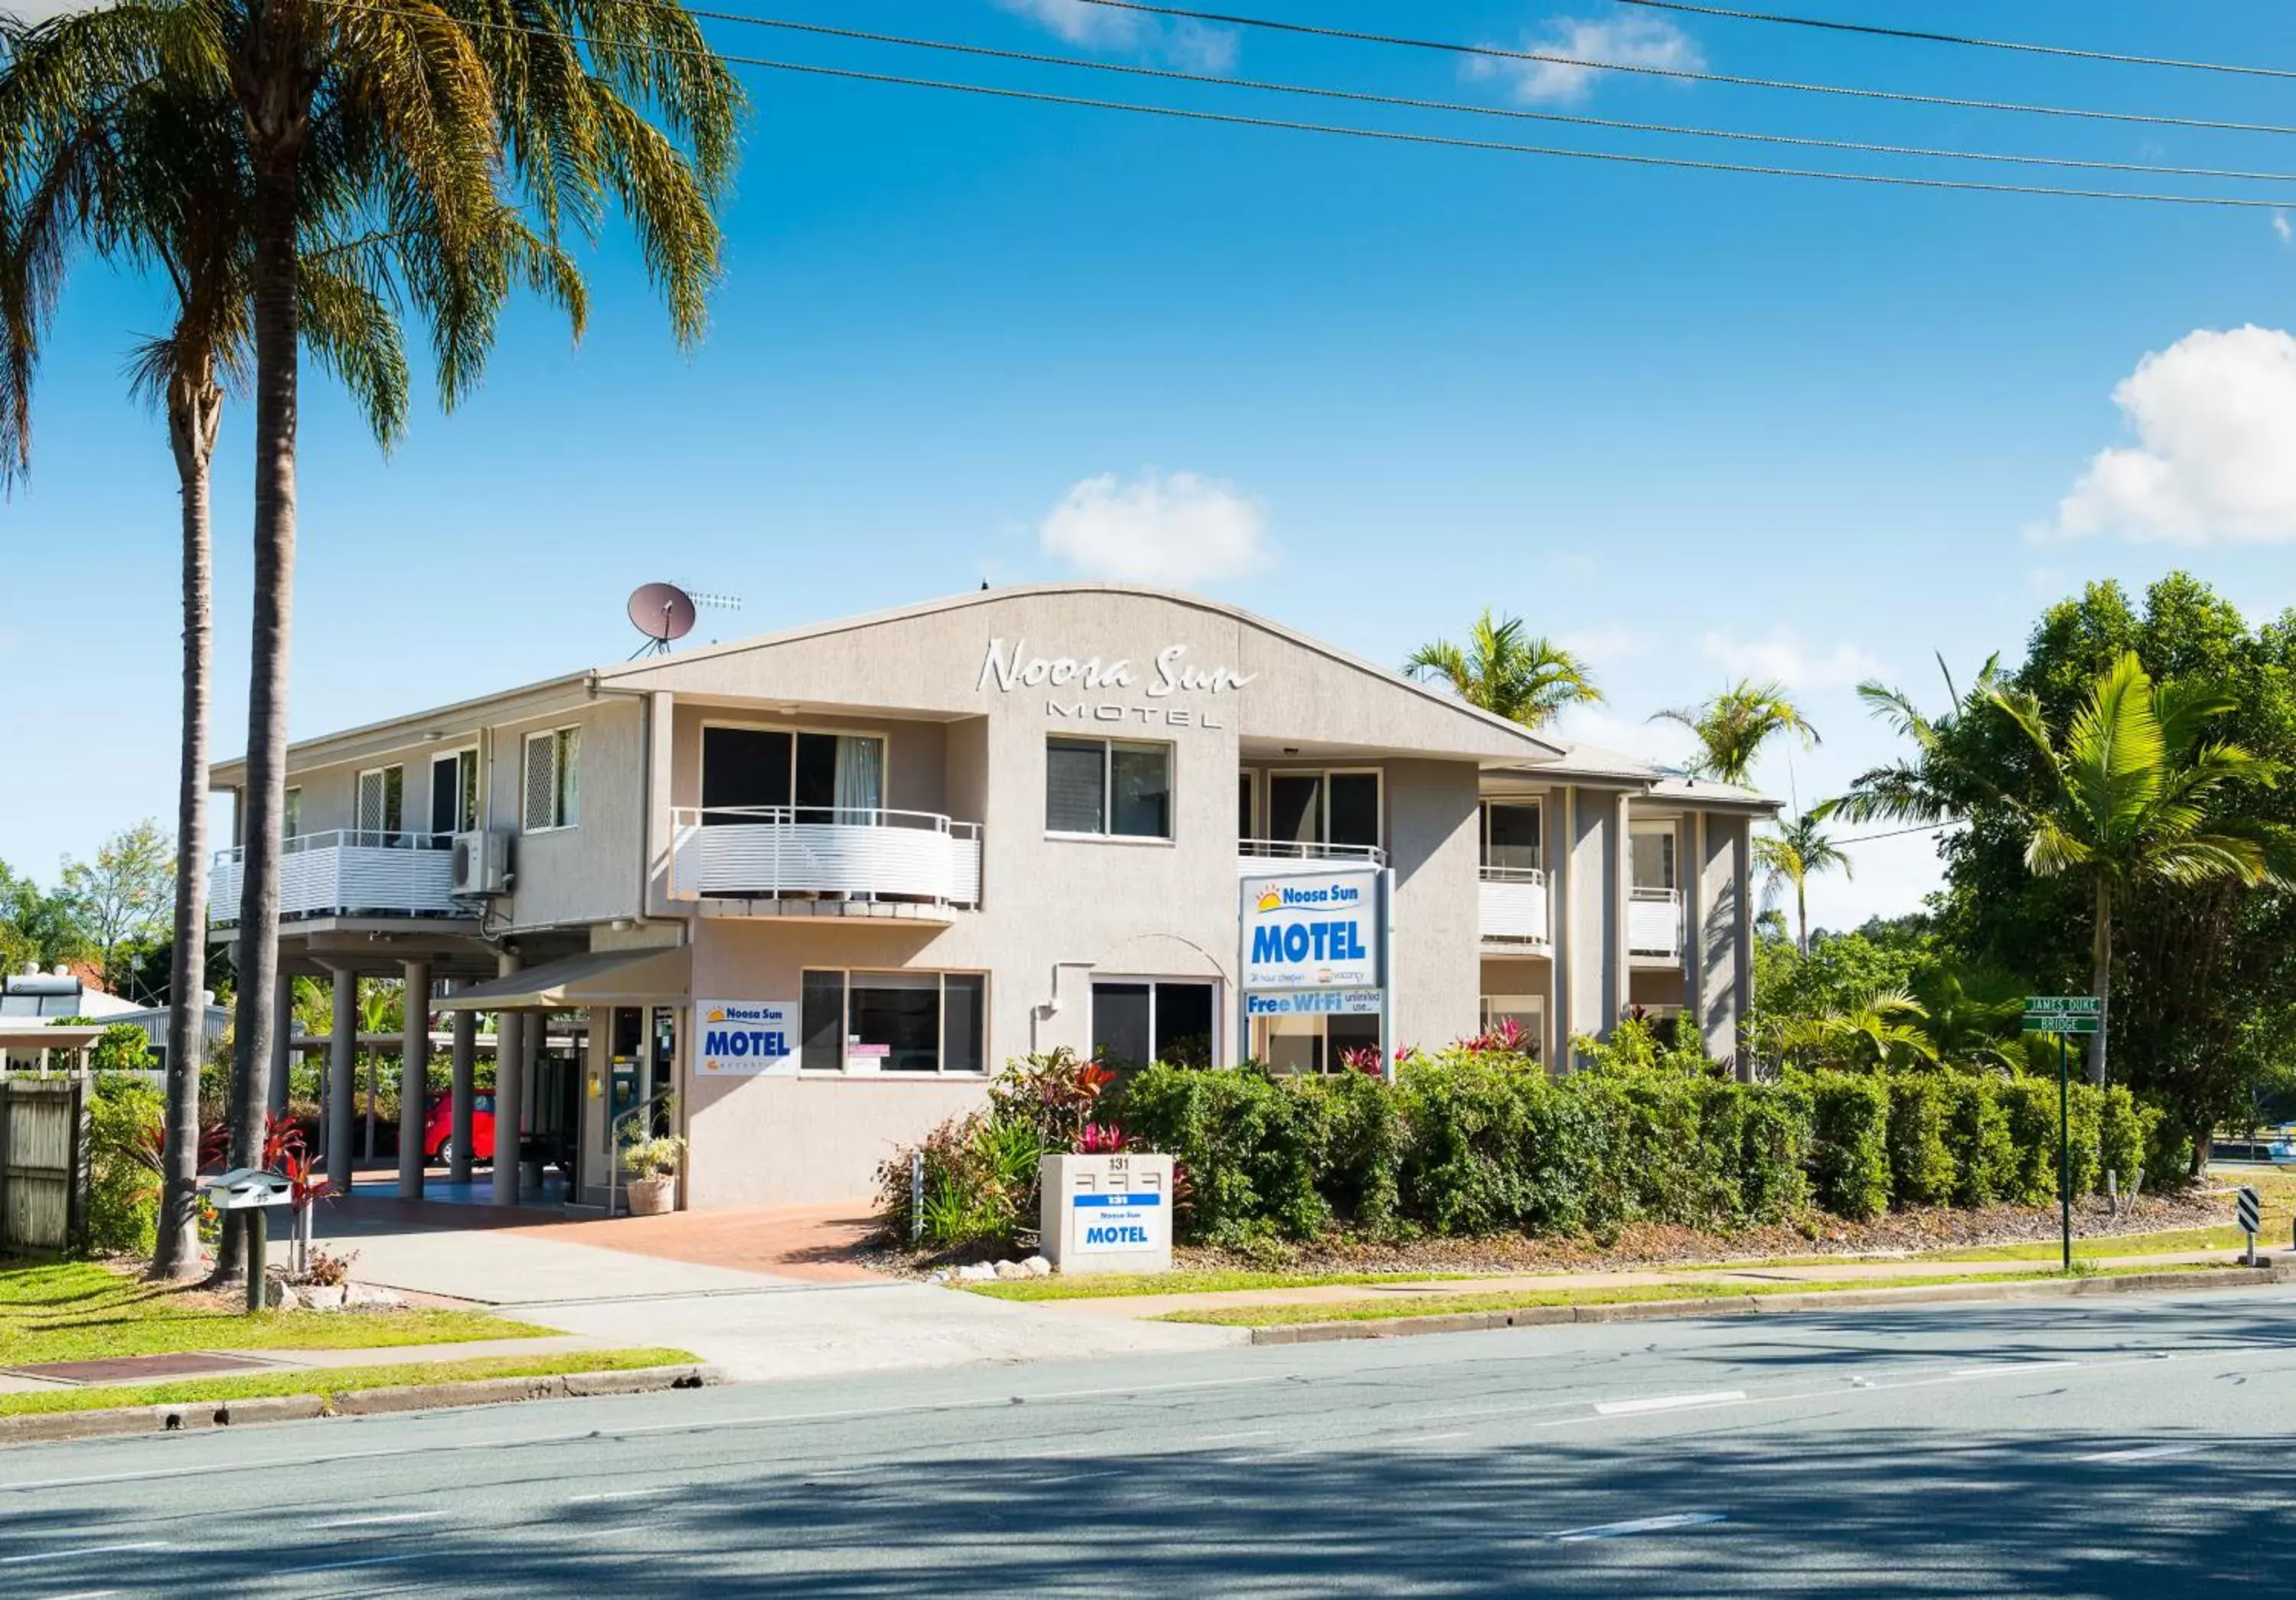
[[1317, 1044], [1526, 1013], [1138, 1020], [897, 1021]]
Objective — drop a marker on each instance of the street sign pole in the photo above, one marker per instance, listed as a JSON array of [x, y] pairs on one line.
[[2064, 1155]]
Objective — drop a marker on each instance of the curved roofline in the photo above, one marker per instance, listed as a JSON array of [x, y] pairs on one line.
[[1549, 749]]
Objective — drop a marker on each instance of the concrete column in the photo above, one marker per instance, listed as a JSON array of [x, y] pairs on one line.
[[283, 1034], [510, 1092], [413, 1078], [342, 1083], [466, 1054]]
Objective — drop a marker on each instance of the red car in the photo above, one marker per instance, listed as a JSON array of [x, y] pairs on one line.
[[439, 1130]]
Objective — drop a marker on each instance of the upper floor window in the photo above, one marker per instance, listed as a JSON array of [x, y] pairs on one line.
[[290, 816], [454, 792], [381, 800], [1325, 807], [825, 778], [1511, 841], [1108, 786], [1653, 854], [553, 795]]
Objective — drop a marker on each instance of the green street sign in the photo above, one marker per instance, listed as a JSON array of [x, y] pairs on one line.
[[2064, 1013]]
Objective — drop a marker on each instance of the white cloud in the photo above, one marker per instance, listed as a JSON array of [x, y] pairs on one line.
[[40, 10], [1185, 42], [2280, 226], [2215, 417], [1611, 642], [1178, 527], [1780, 659], [1624, 41]]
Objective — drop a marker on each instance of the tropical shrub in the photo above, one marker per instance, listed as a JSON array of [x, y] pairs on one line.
[[1922, 1168], [1977, 1137], [123, 1187], [1849, 1143], [981, 1170]]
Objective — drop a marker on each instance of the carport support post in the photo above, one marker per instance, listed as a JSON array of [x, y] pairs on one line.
[[466, 1054], [283, 1043], [510, 1074], [342, 1085], [413, 1078]]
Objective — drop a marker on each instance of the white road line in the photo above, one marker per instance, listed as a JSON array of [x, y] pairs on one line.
[[619, 1494], [378, 1520], [1684, 1518], [25, 1561], [1666, 1402], [2158, 1452]]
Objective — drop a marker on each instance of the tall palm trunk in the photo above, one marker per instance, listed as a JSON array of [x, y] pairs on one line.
[[276, 340], [1802, 916], [2101, 953], [194, 412]]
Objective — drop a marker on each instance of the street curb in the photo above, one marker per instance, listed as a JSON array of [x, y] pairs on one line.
[[2283, 1271], [44, 1427]]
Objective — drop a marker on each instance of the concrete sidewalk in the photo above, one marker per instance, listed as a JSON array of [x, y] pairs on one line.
[[753, 1325]]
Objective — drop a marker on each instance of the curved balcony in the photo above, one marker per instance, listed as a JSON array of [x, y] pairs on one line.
[[848, 860], [348, 872], [1512, 907]]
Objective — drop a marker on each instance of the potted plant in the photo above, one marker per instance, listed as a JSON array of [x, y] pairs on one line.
[[653, 1165]]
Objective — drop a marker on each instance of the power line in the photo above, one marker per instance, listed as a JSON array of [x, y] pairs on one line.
[[1924, 35], [1386, 135], [1684, 74], [1319, 92]]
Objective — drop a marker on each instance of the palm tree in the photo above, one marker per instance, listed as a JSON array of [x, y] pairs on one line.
[[1875, 1031], [1936, 785], [2125, 798], [1504, 670], [1732, 727], [1799, 851], [151, 179]]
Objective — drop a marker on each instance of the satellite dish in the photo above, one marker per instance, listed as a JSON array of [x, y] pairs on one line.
[[661, 612]]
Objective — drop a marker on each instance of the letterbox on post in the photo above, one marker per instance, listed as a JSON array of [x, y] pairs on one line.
[[1107, 1213]]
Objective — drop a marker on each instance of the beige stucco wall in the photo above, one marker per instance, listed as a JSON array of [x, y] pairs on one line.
[[588, 873], [1725, 930], [1432, 842]]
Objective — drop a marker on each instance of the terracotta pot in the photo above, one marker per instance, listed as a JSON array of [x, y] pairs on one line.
[[652, 1196]]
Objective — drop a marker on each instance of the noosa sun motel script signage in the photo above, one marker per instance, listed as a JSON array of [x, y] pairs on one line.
[[1178, 688], [743, 1037], [1311, 931]]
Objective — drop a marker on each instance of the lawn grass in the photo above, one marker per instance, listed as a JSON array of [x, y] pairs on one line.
[[333, 1380], [1196, 1281], [80, 1311], [1439, 1305]]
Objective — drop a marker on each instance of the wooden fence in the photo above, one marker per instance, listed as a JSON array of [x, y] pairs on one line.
[[44, 1125]]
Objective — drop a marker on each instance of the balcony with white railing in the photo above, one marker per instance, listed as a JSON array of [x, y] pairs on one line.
[[806, 860], [1275, 855], [1654, 922], [1512, 909], [348, 872]]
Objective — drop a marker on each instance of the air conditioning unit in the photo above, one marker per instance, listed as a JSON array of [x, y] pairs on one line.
[[481, 865]]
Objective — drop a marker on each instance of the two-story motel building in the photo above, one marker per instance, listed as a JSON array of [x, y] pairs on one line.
[[899, 849]]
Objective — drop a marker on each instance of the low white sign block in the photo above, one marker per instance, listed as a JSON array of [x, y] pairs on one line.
[[1107, 1213]]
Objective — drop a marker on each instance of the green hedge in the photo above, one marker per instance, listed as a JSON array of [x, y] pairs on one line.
[[123, 1191], [1470, 1143]]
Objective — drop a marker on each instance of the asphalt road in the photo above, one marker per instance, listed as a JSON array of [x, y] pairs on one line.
[[2134, 1446]]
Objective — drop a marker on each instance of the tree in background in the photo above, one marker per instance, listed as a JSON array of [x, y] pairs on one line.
[[1797, 851], [119, 900], [38, 928], [1733, 727], [1507, 671], [2130, 797]]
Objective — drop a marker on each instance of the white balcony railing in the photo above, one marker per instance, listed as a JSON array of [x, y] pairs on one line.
[[1654, 922], [1513, 905], [772, 852], [347, 872], [1259, 855]]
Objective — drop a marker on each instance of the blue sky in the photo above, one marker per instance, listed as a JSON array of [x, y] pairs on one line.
[[1695, 425]]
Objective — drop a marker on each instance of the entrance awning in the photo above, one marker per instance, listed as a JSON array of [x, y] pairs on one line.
[[599, 978]]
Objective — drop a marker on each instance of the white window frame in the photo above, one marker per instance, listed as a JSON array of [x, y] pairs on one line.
[[1153, 980], [478, 789], [844, 1067], [561, 823], [1532, 802], [884, 758], [1108, 745], [382, 829], [1323, 799], [1671, 828]]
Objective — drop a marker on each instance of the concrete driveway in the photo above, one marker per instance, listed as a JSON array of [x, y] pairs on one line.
[[756, 1325]]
